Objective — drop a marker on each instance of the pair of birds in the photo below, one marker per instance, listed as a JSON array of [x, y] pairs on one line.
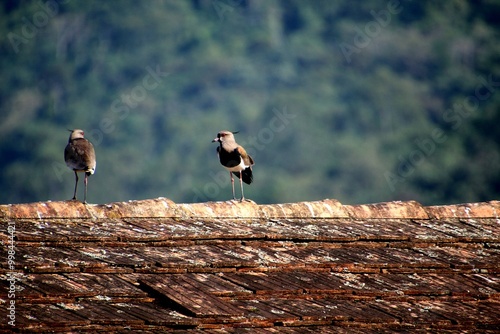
[[79, 156]]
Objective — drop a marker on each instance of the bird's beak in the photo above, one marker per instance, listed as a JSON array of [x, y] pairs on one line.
[[215, 139]]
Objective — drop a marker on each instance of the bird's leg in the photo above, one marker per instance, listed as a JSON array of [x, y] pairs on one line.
[[241, 186], [85, 181], [232, 183], [76, 184]]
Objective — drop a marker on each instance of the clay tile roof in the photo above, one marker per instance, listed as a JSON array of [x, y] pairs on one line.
[[225, 267]]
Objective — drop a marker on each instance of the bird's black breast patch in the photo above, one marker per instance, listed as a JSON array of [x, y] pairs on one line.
[[229, 159]]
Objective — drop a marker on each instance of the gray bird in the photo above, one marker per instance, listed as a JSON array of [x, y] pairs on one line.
[[235, 159], [79, 155]]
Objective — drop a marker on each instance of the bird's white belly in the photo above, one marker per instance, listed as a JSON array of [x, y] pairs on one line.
[[238, 168]]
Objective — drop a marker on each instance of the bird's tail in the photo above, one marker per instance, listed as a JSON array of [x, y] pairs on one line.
[[246, 175]]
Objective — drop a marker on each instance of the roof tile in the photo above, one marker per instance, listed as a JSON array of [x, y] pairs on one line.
[[394, 210], [467, 211]]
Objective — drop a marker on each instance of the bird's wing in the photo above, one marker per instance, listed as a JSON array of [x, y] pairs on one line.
[[246, 158], [86, 150], [80, 155]]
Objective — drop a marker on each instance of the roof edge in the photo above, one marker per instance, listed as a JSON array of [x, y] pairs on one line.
[[166, 208], [489, 209]]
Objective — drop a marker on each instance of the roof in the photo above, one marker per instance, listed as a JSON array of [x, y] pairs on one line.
[[224, 267]]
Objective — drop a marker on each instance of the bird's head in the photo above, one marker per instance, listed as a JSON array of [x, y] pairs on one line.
[[224, 136], [75, 134]]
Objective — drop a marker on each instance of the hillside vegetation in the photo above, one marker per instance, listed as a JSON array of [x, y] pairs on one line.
[[361, 101]]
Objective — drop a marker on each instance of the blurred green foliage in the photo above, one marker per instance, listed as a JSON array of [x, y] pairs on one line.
[[360, 101]]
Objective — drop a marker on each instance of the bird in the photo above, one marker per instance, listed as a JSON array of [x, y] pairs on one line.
[[79, 156], [235, 159]]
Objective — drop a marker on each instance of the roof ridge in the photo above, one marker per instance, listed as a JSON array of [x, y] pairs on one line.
[[327, 208]]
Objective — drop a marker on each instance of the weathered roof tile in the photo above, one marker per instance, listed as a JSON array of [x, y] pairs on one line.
[[394, 210], [467, 211]]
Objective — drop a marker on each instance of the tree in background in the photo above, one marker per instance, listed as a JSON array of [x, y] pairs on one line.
[[362, 102]]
